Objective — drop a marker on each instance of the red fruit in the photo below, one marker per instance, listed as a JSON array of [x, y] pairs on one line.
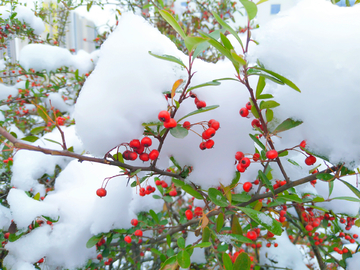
[[355, 236], [173, 193], [248, 105], [186, 125], [188, 214], [142, 254], [135, 144], [6, 235], [214, 124], [244, 112], [256, 182], [256, 157], [164, 116], [255, 123], [239, 155], [154, 154], [200, 104], [134, 222], [41, 260], [49, 222], [198, 211], [60, 121], [202, 146], [240, 168], [245, 162], [101, 192], [247, 186], [276, 245], [207, 134], [170, 124], [310, 160], [251, 235], [146, 141], [282, 219], [144, 157], [268, 245], [158, 182], [99, 257], [164, 184], [309, 227], [270, 234], [138, 233], [133, 155], [303, 144], [272, 154], [209, 144]]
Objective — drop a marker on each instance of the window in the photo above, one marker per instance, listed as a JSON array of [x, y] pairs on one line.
[[275, 9]]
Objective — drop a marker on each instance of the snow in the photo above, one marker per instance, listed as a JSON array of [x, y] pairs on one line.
[[198, 255], [353, 262]]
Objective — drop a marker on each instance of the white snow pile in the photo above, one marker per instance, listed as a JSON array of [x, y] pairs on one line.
[[32, 56], [25, 15]]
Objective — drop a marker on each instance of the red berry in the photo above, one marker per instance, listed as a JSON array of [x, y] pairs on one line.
[[303, 144], [146, 141], [202, 146], [247, 186], [255, 123], [144, 157], [200, 104], [164, 184], [207, 134], [170, 124], [6, 235], [248, 105], [214, 124], [188, 214], [245, 162], [154, 154], [158, 182], [127, 239], [138, 233], [173, 193], [198, 211], [272, 154], [209, 144], [355, 236], [310, 160], [140, 149], [256, 182], [126, 155], [240, 168], [239, 155], [60, 121], [268, 245], [134, 222], [186, 125], [41, 260], [309, 227], [276, 245], [133, 155], [134, 144], [164, 116], [251, 235], [244, 112], [99, 257], [101, 192], [256, 157]]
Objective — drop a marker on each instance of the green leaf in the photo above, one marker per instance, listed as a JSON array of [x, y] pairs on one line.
[[92, 241], [286, 125], [346, 198], [170, 260], [235, 179], [281, 78], [178, 182], [256, 140], [183, 259], [212, 83], [266, 181], [235, 226], [293, 162], [217, 197], [192, 42], [173, 160], [219, 222], [206, 234], [174, 24], [37, 130], [226, 42], [241, 197], [261, 1], [254, 110], [192, 192], [51, 219], [181, 242], [260, 86], [37, 197], [291, 197], [240, 238], [168, 199], [325, 176], [269, 115], [227, 261], [179, 132], [169, 58], [41, 111], [264, 220], [283, 153], [13, 237], [242, 262], [13, 15], [53, 141], [250, 7], [30, 138], [203, 46], [331, 187], [268, 104], [203, 245], [168, 240], [265, 96], [238, 58], [208, 108], [156, 197], [154, 216], [228, 28]]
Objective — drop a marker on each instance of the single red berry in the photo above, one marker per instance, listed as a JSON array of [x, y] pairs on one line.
[[41, 260], [248, 105], [198, 211], [214, 124], [186, 125], [282, 213], [144, 157], [154, 154], [140, 149], [239, 155], [268, 245], [309, 227], [134, 222], [256, 157], [244, 112], [101, 192], [170, 124], [247, 186], [270, 234], [245, 162], [207, 134], [164, 184], [355, 236], [158, 182], [310, 160], [6, 235], [240, 168], [251, 235], [200, 104], [209, 144], [138, 233], [256, 182], [126, 155], [99, 257], [127, 239], [142, 254], [133, 155], [189, 214], [173, 192], [49, 222], [202, 145], [303, 144], [276, 245], [164, 116], [146, 141], [271, 154], [134, 144]]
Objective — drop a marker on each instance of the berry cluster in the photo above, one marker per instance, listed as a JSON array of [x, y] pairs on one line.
[[208, 133], [137, 233], [10, 159], [310, 159], [164, 116], [244, 112], [189, 214], [244, 162], [138, 149], [146, 191], [199, 103]]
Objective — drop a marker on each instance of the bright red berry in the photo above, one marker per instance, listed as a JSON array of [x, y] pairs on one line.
[[310, 160], [99, 257], [303, 144], [239, 155], [164, 116], [158, 182], [144, 156], [207, 134], [170, 124], [308, 227], [248, 105], [127, 239], [247, 186], [355, 236], [245, 162], [146, 141], [244, 112], [173, 192], [154, 154], [198, 211], [60, 121], [134, 144], [271, 154], [202, 145], [200, 104], [133, 155], [164, 184], [240, 168], [186, 125], [209, 144], [214, 124], [138, 233], [101, 192], [251, 235], [6, 235], [134, 222], [255, 123], [189, 214], [256, 157], [41, 260]]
